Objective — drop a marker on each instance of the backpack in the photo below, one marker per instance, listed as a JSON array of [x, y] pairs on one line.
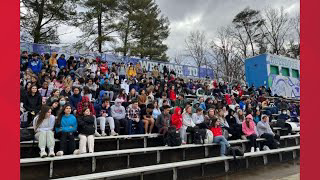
[[199, 136], [235, 151], [173, 137], [25, 135], [209, 137]]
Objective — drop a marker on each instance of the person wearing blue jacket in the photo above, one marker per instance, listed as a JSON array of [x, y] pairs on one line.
[[66, 126], [75, 99], [62, 62], [34, 64]]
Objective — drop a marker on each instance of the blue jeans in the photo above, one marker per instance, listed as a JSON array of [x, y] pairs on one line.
[[223, 144], [139, 127]]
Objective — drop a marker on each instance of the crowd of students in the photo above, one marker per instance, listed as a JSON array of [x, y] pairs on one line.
[[67, 98]]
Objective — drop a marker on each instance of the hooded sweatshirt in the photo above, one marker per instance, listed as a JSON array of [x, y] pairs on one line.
[[197, 119], [117, 111], [252, 127], [264, 127], [35, 65], [86, 125], [125, 86], [176, 118], [187, 120], [62, 62], [53, 60]]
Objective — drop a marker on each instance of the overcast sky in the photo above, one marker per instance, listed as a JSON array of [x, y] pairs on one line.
[[204, 15]]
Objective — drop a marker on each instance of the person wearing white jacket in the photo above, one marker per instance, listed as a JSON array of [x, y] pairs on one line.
[[187, 124], [124, 85], [43, 127]]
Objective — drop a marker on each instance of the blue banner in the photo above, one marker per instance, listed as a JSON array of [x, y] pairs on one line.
[[181, 70]]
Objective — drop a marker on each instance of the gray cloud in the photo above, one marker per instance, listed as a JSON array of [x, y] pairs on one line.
[[206, 15]]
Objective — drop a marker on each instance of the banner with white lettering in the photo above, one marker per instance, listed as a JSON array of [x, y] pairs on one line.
[[181, 70]]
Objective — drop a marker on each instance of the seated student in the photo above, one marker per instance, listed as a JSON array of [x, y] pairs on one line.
[[133, 115], [208, 118], [218, 137], [86, 129], [239, 116], [44, 90], [156, 110], [187, 123], [55, 94], [142, 99], [202, 104], [198, 119], [248, 128], [164, 98], [234, 128], [66, 92], [55, 107], [282, 118], [32, 104], [181, 101], [65, 127], [147, 118], [103, 113], [264, 131], [257, 117], [85, 103], [164, 120], [43, 127], [75, 99], [118, 113]]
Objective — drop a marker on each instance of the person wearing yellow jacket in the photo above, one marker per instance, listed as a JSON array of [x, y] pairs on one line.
[[53, 59], [131, 71]]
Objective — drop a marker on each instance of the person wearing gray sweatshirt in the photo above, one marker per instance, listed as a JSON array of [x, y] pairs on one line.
[[264, 131], [122, 72], [43, 127], [118, 112], [198, 119]]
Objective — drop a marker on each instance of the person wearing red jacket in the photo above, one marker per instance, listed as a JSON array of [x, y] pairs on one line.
[[176, 120], [228, 99], [85, 103], [104, 67], [172, 95], [218, 137]]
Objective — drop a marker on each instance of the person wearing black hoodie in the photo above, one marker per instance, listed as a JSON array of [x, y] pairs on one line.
[[116, 88], [32, 103], [234, 128], [86, 129]]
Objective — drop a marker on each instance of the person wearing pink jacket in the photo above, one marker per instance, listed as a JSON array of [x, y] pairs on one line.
[[249, 130]]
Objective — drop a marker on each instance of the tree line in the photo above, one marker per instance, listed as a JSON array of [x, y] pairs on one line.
[[251, 32], [129, 27]]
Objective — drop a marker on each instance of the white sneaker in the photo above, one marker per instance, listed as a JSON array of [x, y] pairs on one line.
[[103, 133], [96, 134], [59, 153], [76, 152], [257, 149], [266, 148], [113, 133], [51, 153], [43, 154], [252, 149]]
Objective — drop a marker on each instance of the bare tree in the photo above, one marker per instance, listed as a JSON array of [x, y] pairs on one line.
[[276, 28], [197, 47], [227, 61], [178, 58]]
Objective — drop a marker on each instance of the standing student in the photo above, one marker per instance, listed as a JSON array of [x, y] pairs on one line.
[[249, 130], [43, 127], [187, 123], [86, 128], [66, 125], [176, 120], [218, 137]]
